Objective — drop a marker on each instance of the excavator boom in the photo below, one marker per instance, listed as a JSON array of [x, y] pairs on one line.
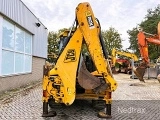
[[143, 47]]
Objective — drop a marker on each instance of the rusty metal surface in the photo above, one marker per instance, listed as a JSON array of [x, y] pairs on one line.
[[139, 72], [45, 70], [86, 79]]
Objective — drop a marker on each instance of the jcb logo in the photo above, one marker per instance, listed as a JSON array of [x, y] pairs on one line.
[[89, 19], [70, 56]]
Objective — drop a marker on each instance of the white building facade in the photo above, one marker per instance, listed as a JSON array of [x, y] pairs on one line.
[[23, 45]]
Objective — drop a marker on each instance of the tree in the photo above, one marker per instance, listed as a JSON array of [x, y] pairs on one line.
[[112, 39], [149, 25], [52, 46], [133, 40]]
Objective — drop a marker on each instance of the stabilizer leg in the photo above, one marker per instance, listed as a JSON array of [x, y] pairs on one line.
[[106, 113], [45, 111]]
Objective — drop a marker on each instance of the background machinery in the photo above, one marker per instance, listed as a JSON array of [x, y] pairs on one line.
[[125, 65], [143, 40], [70, 79]]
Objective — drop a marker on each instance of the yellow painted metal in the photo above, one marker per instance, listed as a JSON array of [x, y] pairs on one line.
[[66, 67], [61, 82], [45, 82], [90, 30]]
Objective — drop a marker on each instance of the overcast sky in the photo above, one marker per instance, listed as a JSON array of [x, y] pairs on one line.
[[123, 15]]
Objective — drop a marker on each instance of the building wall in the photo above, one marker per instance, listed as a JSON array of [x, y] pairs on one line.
[[18, 12], [12, 82]]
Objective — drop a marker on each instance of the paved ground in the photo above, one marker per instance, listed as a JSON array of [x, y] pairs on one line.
[[131, 101]]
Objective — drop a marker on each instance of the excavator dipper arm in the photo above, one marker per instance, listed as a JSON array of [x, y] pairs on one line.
[[127, 54]]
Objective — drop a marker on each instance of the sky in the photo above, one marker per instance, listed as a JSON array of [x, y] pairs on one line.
[[122, 15]]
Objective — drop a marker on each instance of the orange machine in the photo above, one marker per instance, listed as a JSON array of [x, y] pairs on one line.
[[143, 40]]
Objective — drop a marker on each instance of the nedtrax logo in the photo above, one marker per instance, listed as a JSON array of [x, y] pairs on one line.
[[131, 110]]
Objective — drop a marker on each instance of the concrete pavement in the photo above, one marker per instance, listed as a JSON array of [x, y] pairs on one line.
[[131, 101]]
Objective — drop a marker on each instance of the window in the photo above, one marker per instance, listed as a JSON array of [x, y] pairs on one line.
[[16, 49]]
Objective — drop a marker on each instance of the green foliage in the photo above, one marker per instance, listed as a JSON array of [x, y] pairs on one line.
[[112, 39], [133, 40], [52, 46], [149, 25], [151, 20]]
